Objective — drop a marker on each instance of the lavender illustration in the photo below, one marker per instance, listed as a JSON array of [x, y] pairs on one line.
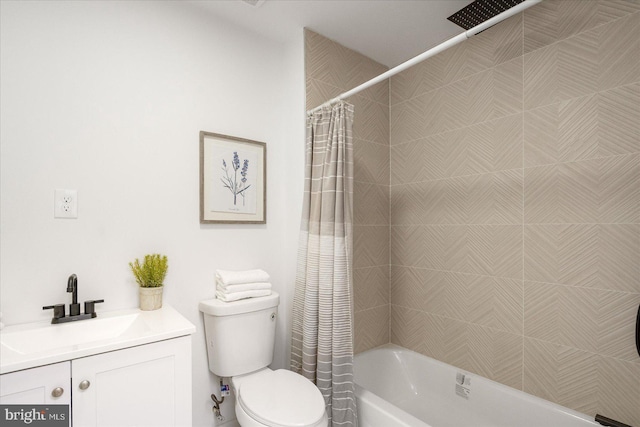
[[230, 179]]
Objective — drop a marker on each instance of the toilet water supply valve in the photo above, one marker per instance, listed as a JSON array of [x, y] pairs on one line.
[[224, 391]]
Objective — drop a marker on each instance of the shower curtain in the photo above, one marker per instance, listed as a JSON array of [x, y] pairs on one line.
[[322, 336]]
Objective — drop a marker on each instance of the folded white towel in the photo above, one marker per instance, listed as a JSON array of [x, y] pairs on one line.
[[229, 277], [242, 295], [229, 289]]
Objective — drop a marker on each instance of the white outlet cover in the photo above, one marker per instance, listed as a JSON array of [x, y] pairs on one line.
[[65, 203]]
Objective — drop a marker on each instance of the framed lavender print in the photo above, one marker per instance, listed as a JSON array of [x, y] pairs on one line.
[[233, 180]]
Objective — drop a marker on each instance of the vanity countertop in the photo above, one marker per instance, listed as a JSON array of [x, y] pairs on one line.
[[41, 343]]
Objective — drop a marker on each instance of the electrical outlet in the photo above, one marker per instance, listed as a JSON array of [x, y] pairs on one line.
[[65, 203]]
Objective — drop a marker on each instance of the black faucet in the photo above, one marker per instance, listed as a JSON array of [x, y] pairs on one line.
[[74, 307], [72, 286]]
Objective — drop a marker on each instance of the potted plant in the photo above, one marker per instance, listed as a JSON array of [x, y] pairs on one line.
[[150, 276]]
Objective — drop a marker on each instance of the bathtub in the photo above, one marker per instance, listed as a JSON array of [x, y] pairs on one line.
[[396, 387]]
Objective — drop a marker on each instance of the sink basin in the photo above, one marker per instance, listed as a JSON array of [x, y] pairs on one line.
[[50, 337], [40, 343]]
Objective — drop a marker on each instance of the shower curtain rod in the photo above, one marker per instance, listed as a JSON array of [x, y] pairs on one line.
[[431, 52]]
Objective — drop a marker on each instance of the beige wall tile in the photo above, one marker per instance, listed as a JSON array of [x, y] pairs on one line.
[[415, 161], [562, 193], [601, 190], [318, 92], [406, 205], [577, 65], [466, 59], [370, 245], [581, 380], [494, 354], [507, 39], [370, 161], [422, 77], [562, 374], [591, 61], [441, 201], [619, 189], [554, 20], [371, 328], [618, 118], [619, 390], [451, 152], [494, 302], [408, 245], [409, 287], [541, 136], [371, 120], [604, 256], [489, 146], [408, 328], [616, 332], [377, 93], [541, 83], [540, 25], [508, 88], [407, 121], [337, 65], [494, 250], [446, 339], [618, 53], [597, 125], [370, 204], [562, 314], [495, 145], [495, 198], [370, 287], [483, 300]]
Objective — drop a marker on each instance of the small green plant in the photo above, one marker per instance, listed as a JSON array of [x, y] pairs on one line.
[[151, 273]]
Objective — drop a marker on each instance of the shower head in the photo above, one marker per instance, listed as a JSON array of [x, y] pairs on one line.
[[479, 11]]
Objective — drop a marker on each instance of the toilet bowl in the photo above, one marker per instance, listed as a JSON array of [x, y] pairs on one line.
[[240, 342], [279, 398]]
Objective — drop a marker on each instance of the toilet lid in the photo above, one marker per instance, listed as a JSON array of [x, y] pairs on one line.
[[281, 398]]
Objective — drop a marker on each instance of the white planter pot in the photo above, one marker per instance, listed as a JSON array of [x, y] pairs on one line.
[[151, 298]]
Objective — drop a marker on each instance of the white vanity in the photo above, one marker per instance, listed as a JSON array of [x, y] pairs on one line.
[[125, 368]]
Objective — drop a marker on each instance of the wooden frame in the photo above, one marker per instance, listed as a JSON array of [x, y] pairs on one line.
[[233, 180]]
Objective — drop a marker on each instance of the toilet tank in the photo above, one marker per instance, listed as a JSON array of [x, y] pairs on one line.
[[240, 334]]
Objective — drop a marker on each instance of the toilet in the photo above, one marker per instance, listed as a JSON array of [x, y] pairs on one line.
[[240, 341]]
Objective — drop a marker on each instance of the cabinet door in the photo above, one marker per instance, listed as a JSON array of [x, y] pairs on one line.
[[149, 385], [37, 386]]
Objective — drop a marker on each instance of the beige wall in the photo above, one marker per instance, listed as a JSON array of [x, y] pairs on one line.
[[514, 202], [515, 205]]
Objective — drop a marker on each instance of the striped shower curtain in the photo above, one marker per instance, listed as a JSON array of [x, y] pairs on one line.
[[322, 337]]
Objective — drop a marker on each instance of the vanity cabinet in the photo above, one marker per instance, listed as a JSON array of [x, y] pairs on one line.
[[44, 385], [146, 385]]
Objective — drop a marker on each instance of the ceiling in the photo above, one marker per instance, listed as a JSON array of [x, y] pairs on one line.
[[387, 31]]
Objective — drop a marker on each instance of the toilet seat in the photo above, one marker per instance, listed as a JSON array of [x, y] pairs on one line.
[[281, 398]]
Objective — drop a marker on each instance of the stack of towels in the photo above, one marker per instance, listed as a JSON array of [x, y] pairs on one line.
[[236, 285]]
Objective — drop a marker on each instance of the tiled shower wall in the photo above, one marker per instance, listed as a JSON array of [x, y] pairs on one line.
[[515, 205], [332, 69], [514, 202]]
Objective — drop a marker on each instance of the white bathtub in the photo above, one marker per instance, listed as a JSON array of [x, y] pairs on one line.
[[396, 387]]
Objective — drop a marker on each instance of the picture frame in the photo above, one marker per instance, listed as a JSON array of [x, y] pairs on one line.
[[233, 180]]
